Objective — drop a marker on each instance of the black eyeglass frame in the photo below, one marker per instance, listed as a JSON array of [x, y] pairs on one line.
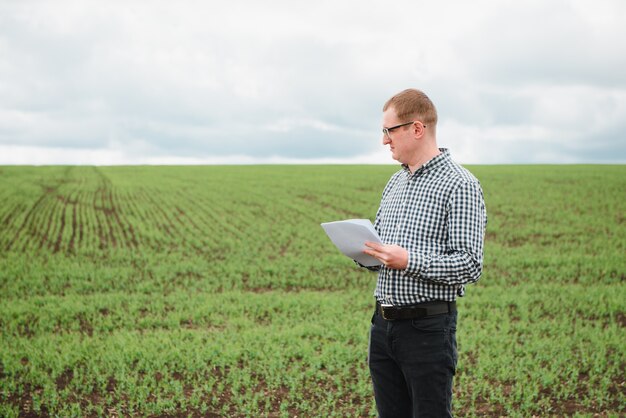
[[386, 131]]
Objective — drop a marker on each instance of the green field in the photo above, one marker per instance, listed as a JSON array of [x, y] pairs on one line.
[[213, 291]]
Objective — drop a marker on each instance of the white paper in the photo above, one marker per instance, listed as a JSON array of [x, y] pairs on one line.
[[350, 236]]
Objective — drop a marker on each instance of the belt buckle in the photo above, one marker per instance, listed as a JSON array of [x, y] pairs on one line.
[[382, 311]]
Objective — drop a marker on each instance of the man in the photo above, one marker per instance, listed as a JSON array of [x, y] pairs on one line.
[[432, 222]]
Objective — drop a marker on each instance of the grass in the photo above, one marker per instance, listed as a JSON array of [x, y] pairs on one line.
[[212, 291]]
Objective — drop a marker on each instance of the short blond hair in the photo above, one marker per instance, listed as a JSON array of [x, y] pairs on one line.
[[412, 104]]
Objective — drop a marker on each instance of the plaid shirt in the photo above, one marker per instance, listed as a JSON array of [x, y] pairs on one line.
[[438, 215]]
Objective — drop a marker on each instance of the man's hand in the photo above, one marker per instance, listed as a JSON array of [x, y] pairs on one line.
[[392, 256]]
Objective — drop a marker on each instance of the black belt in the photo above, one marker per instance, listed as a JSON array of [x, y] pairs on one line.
[[421, 310]]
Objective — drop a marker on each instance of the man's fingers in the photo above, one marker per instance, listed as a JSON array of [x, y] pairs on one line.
[[371, 252], [377, 254], [373, 245]]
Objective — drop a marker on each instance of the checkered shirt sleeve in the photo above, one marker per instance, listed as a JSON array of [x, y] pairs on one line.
[[438, 215]]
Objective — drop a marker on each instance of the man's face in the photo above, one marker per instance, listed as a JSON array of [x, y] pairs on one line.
[[400, 140]]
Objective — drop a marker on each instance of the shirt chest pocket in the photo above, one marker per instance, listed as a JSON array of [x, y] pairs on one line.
[[423, 219]]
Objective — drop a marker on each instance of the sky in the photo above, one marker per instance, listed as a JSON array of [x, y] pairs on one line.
[[296, 82]]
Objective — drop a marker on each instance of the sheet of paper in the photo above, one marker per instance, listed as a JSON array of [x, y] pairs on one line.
[[349, 237]]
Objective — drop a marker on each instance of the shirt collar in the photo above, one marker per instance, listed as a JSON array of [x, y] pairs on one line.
[[431, 165]]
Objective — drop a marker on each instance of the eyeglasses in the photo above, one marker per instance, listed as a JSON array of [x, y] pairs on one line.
[[386, 131]]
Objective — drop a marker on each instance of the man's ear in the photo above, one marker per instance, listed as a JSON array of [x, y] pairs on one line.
[[418, 130]]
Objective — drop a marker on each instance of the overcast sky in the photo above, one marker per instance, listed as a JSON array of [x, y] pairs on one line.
[[195, 82]]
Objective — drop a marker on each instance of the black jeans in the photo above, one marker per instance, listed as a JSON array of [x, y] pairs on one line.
[[412, 363]]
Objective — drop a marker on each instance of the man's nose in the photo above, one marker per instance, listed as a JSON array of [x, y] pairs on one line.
[[386, 139]]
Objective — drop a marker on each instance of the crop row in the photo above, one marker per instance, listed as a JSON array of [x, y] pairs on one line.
[[213, 291]]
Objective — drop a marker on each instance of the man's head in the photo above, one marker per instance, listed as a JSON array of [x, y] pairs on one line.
[[409, 121], [412, 104]]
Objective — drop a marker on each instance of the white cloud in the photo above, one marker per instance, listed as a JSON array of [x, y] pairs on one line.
[[118, 154], [131, 82]]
